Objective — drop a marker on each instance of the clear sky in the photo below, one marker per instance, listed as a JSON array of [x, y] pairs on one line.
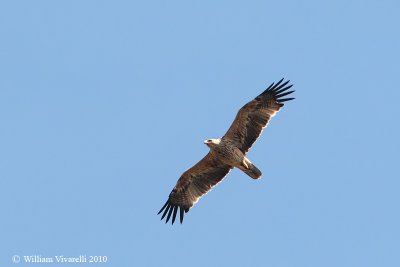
[[103, 104]]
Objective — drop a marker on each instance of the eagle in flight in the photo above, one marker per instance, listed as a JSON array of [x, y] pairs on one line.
[[227, 152]]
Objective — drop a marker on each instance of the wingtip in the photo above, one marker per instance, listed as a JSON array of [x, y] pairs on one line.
[[181, 214], [277, 87], [286, 99], [170, 212], [269, 87], [174, 215], [285, 93], [166, 203], [166, 211]]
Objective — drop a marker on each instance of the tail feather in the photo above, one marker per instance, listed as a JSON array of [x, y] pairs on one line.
[[252, 171]]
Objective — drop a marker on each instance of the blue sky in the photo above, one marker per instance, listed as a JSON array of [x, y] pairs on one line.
[[103, 104]]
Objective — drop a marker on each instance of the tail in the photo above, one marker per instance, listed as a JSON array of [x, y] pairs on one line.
[[251, 171]]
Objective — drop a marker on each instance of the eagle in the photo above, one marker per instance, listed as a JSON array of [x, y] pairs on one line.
[[227, 152]]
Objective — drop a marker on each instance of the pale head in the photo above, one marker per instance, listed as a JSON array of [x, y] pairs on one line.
[[212, 142]]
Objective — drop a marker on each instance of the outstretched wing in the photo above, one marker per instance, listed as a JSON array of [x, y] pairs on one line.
[[255, 115], [194, 183]]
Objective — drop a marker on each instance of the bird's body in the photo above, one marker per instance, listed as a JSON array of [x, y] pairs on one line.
[[227, 152], [231, 155]]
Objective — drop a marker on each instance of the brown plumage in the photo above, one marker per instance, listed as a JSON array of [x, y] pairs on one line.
[[227, 152]]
